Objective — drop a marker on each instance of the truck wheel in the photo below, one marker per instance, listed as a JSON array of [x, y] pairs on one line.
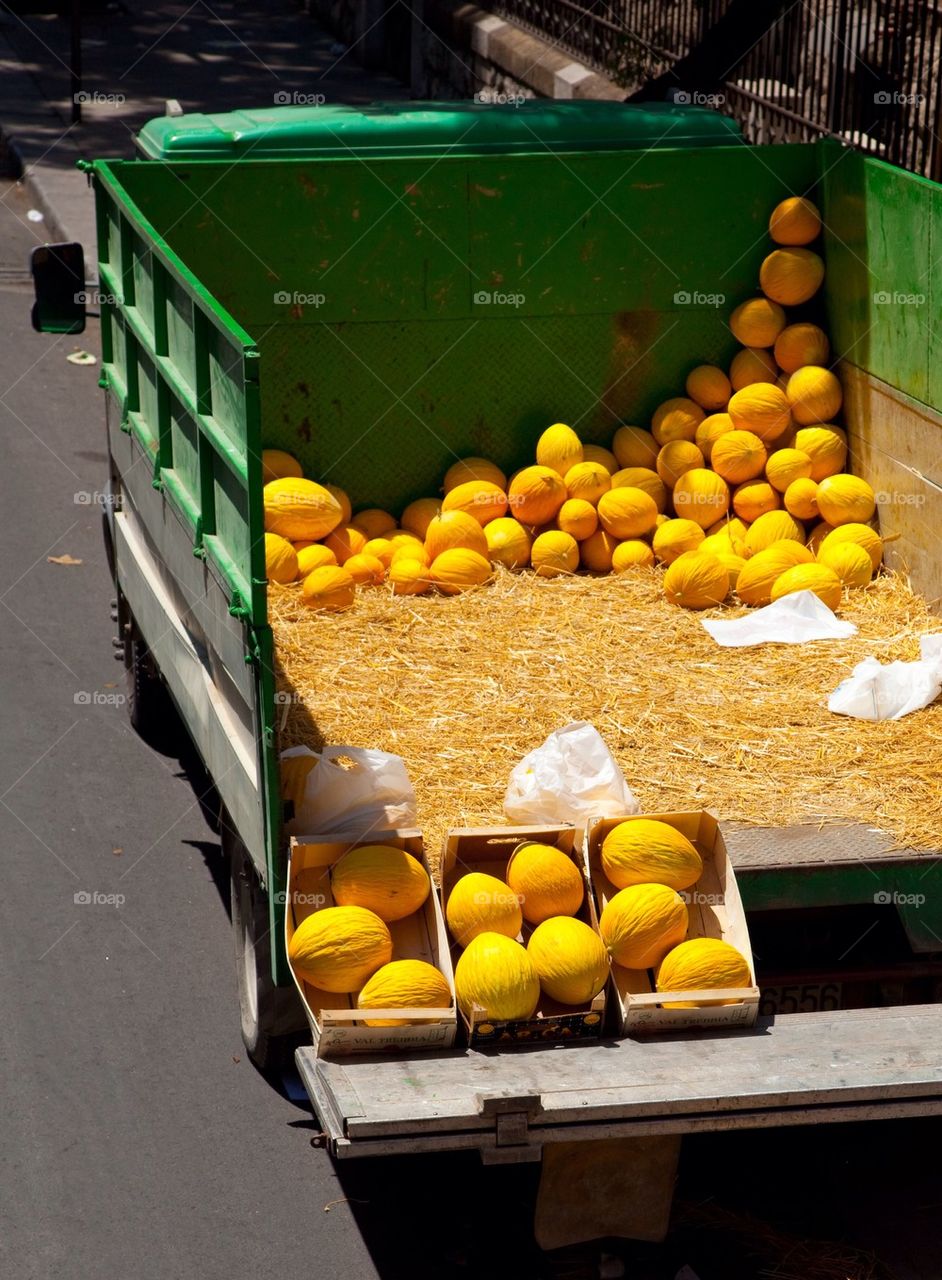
[[272, 1017], [150, 707]]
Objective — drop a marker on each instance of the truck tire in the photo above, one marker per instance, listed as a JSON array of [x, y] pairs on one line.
[[150, 707], [272, 1017]]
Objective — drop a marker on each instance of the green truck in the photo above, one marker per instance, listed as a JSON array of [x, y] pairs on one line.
[[297, 279]]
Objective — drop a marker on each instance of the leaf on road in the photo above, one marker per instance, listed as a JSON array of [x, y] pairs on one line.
[[81, 357], [66, 559]]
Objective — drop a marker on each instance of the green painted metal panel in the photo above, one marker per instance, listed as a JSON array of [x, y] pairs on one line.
[[431, 129]]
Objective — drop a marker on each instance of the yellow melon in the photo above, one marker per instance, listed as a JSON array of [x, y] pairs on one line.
[[338, 948], [675, 537], [676, 419], [294, 771], [588, 480], [631, 554], [640, 924], [382, 878], [801, 498], [406, 542], [696, 580], [826, 446], [346, 507], [408, 551], [559, 448], [785, 466], [761, 571], [716, 542], [419, 515], [734, 564], [850, 562], [473, 469], [648, 851], [597, 453], [738, 456], [380, 549], [757, 322], [643, 478], [495, 980], [410, 577], [459, 570], [818, 534], [278, 465], [546, 880], [815, 577], [627, 512], [708, 387], [860, 534], [675, 458], [814, 394], [570, 960], [366, 570], [801, 344], [404, 984], [634, 447], [329, 588], [480, 903], [702, 496], [751, 365], [795, 221], [733, 526], [554, 553], [761, 408], [480, 499], [315, 556], [281, 559], [374, 522], [791, 276], [710, 430], [755, 498], [595, 553], [772, 527], [578, 518], [702, 964], [535, 495], [300, 509], [345, 541], [508, 543], [454, 530], [846, 499]]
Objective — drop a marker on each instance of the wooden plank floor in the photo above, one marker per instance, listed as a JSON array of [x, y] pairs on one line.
[[789, 1064]]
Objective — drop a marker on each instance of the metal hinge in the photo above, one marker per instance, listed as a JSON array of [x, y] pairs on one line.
[[512, 1138]]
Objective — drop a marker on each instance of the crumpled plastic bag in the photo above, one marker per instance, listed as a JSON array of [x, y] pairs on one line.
[[794, 619], [570, 778], [352, 790], [876, 692]]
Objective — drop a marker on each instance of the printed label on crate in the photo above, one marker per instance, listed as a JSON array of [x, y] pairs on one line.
[[576, 1026]]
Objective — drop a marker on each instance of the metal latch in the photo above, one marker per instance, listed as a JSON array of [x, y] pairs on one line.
[[512, 1115]]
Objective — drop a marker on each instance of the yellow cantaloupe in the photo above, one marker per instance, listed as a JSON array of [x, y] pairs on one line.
[[404, 984], [338, 949], [815, 395], [826, 446], [535, 495], [702, 496], [850, 561], [774, 526], [785, 466], [649, 851], [643, 478], [329, 588], [459, 570], [418, 515], [708, 387], [278, 465], [696, 580], [640, 924], [757, 322], [374, 522], [710, 430], [791, 276], [627, 512], [299, 509], [588, 480], [632, 554], [859, 534], [702, 964], [676, 537], [570, 960], [755, 498], [801, 344], [675, 458], [546, 880], [577, 518], [761, 408], [473, 469], [559, 448], [382, 878], [508, 543], [281, 559], [481, 903], [676, 419], [795, 221], [454, 530], [314, 556], [366, 570], [495, 978], [738, 456], [801, 498], [819, 578], [751, 365], [595, 553], [598, 453], [760, 572], [846, 499], [554, 553], [634, 447]]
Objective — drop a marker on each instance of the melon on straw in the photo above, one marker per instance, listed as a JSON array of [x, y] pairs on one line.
[[463, 687]]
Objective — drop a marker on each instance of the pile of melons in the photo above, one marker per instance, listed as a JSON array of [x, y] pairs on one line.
[[737, 487], [644, 925]]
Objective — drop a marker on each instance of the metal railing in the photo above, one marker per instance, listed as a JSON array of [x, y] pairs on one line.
[[868, 72]]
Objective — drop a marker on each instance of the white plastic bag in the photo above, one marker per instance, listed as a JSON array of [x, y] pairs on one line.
[[794, 619], [876, 692], [354, 790], [571, 777]]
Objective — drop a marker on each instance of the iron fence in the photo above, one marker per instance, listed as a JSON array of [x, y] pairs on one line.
[[866, 72]]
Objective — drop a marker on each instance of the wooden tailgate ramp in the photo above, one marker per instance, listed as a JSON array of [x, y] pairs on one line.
[[797, 1069]]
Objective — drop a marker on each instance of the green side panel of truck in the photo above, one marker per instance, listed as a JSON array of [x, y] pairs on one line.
[[383, 307]]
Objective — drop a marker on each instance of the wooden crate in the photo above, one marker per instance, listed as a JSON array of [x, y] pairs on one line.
[[337, 1026], [488, 849], [716, 911]]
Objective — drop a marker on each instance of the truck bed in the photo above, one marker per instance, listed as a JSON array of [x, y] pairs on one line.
[[798, 1069]]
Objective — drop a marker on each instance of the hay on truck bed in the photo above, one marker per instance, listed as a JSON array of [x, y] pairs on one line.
[[462, 687]]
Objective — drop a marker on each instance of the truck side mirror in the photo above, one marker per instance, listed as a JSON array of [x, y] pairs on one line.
[[59, 283]]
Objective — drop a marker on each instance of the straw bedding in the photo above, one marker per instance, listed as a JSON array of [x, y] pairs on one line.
[[462, 687]]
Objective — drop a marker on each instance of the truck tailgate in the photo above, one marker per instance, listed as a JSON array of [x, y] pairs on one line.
[[799, 1069]]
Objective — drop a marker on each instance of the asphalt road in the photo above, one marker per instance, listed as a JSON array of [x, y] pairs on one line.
[[137, 1139]]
